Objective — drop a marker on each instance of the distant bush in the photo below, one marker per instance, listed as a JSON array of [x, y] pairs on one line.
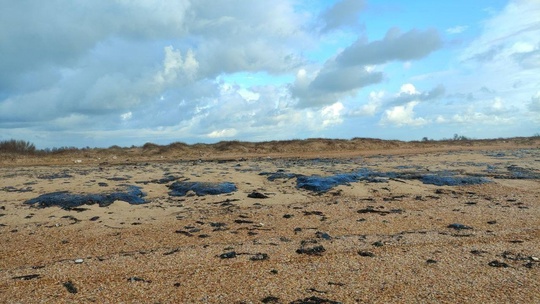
[[149, 146], [461, 137], [17, 146]]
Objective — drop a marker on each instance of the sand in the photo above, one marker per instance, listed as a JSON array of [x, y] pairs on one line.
[[364, 242]]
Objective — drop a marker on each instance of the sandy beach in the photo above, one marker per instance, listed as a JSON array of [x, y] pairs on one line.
[[432, 225]]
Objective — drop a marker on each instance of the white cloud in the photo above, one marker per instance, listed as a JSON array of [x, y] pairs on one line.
[[126, 116], [403, 116], [222, 133], [408, 88], [375, 101], [456, 29], [331, 115]]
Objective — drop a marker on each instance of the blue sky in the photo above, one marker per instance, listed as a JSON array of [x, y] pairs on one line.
[[101, 73]]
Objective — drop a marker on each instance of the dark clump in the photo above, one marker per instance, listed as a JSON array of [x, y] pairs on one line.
[[431, 261], [201, 188], [317, 250], [496, 263], [240, 221], [323, 235], [137, 279], [259, 257], [458, 226], [449, 180], [55, 176], [523, 173], [314, 300], [94, 218], [172, 251], [270, 299], [366, 254], [380, 212], [228, 255], [256, 194], [70, 287], [68, 201], [26, 277]]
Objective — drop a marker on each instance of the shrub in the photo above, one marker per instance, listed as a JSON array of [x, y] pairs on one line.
[[17, 146]]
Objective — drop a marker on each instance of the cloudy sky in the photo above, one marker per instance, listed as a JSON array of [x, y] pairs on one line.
[[115, 72]]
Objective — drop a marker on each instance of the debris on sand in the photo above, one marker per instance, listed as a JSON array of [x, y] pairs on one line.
[[228, 255], [498, 264], [451, 180], [27, 277], [317, 250], [66, 200], [459, 226], [201, 188], [70, 287], [314, 300]]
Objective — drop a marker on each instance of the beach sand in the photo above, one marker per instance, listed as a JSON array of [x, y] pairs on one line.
[[392, 238]]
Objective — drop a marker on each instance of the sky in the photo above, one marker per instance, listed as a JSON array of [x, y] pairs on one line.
[[116, 72]]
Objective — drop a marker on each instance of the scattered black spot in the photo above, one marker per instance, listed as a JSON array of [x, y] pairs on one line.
[[137, 279], [478, 252], [94, 218], [288, 216], [336, 283], [317, 250], [381, 212], [270, 299], [492, 222], [228, 255], [458, 226], [243, 221], [70, 287], [27, 277], [431, 261], [314, 300], [496, 263], [323, 235], [256, 194], [172, 251], [366, 254], [183, 232], [259, 257]]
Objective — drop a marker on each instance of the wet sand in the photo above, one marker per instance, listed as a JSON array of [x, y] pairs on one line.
[[390, 239]]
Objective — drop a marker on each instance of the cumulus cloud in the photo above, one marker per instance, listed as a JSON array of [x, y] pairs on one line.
[[342, 13], [403, 116], [373, 105], [409, 93], [414, 44]]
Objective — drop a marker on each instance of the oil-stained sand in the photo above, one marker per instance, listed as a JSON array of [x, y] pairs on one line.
[[391, 239]]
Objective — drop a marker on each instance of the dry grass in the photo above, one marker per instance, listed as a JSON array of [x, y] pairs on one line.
[[313, 147]]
